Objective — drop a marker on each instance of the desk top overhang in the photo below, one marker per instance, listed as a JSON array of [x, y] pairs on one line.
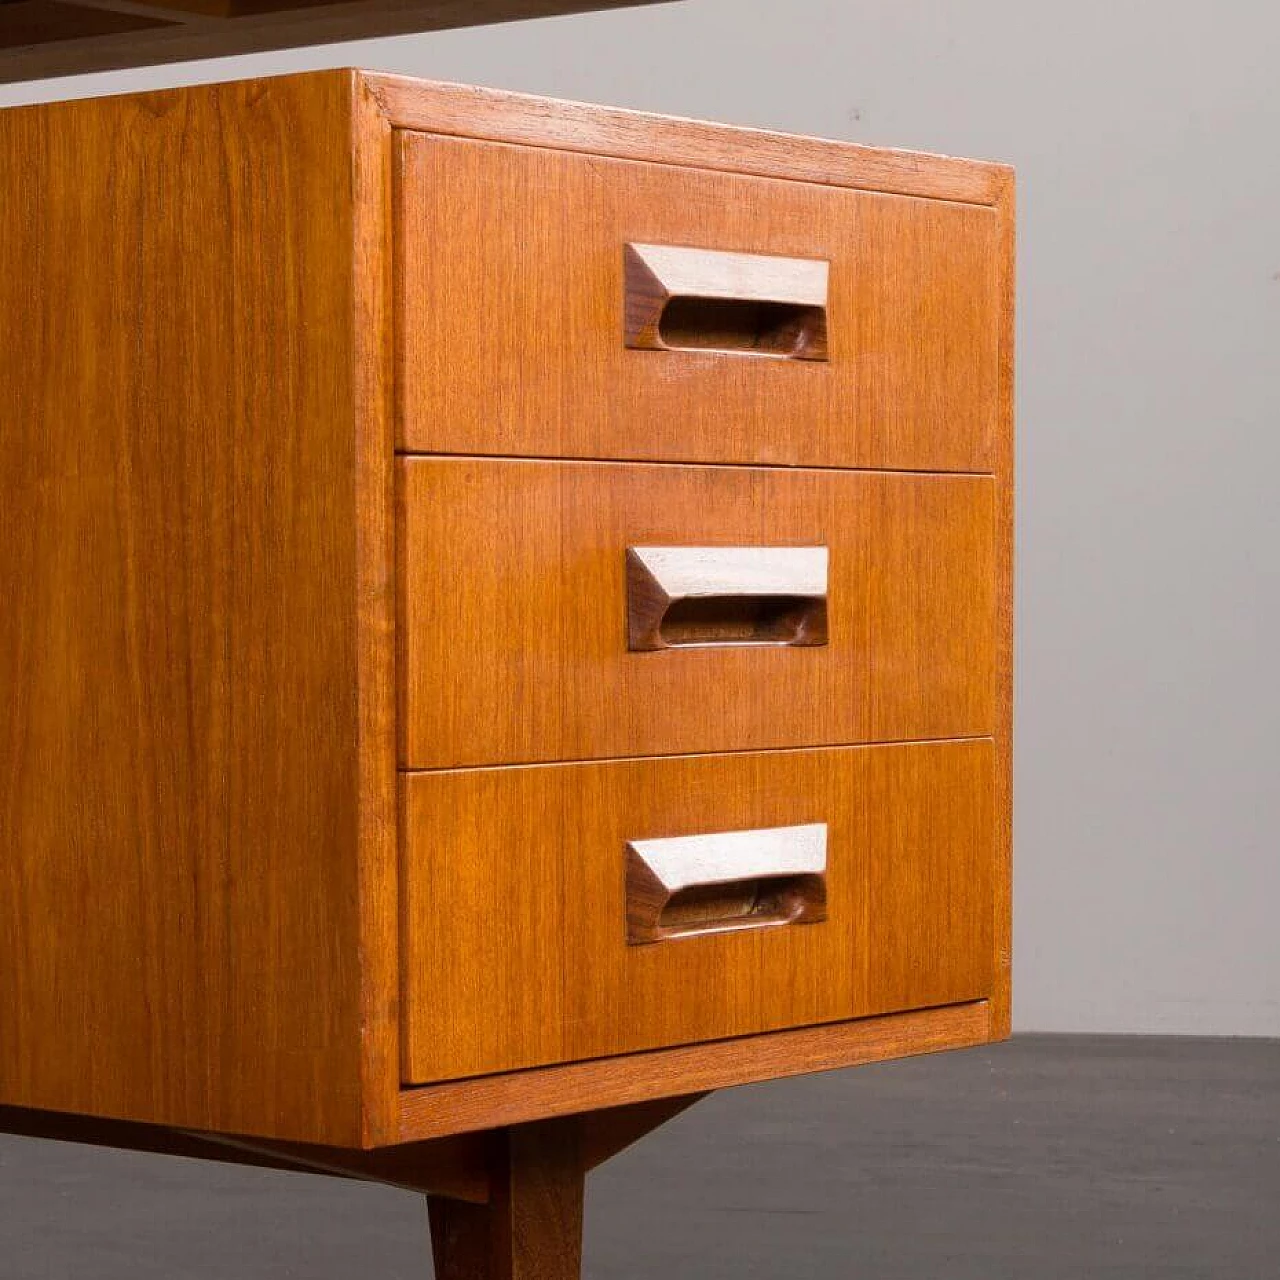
[[42, 38]]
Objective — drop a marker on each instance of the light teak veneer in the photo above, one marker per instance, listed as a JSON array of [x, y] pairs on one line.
[[514, 592], [321, 767]]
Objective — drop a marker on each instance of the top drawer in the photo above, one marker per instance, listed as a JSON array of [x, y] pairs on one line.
[[512, 314]]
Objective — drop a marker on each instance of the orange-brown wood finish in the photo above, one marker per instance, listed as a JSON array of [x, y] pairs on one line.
[[515, 939], [378, 903], [513, 592], [525, 243], [519, 1096], [196, 778], [1002, 674], [496, 115], [224, 294]]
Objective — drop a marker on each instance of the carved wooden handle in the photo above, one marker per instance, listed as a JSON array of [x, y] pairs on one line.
[[686, 596], [746, 303], [689, 885]]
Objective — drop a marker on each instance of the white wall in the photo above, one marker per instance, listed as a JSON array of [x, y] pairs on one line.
[[1147, 140]]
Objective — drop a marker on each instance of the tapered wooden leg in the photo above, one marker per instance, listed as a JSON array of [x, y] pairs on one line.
[[531, 1229]]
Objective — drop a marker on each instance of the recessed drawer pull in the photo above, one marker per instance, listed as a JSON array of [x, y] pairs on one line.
[[689, 885], [701, 299], [697, 596]]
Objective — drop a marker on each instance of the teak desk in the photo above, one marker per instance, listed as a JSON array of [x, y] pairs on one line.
[[506, 628]]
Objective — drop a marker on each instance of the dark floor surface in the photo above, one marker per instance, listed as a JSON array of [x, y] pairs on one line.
[[1049, 1157]]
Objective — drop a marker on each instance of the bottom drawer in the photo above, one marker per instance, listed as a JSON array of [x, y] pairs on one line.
[[554, 912]]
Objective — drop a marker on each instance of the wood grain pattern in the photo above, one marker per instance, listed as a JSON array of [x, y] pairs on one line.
[[377, 870], [467, 1105], [531, 1229], [1002, 671], [514, 911], [59, 39], [498, 115], [197, 762], [478, 113], [190, 538], [513, 611], [524, 242]]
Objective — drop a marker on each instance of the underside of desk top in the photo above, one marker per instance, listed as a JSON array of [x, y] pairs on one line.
[[40, 38]]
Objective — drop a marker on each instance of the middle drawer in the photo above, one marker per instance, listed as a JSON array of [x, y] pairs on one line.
[[521, 609]]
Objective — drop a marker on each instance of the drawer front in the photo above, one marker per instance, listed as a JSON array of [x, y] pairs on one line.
[[517, 299], [521, 895], [528, 632]]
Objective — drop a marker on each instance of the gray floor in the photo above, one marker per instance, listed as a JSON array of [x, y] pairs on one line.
[[1047, 1157]]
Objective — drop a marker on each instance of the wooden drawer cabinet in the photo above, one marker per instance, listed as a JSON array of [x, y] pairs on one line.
[[515, 593], [527, 244], [506, 615], [516, 902]]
